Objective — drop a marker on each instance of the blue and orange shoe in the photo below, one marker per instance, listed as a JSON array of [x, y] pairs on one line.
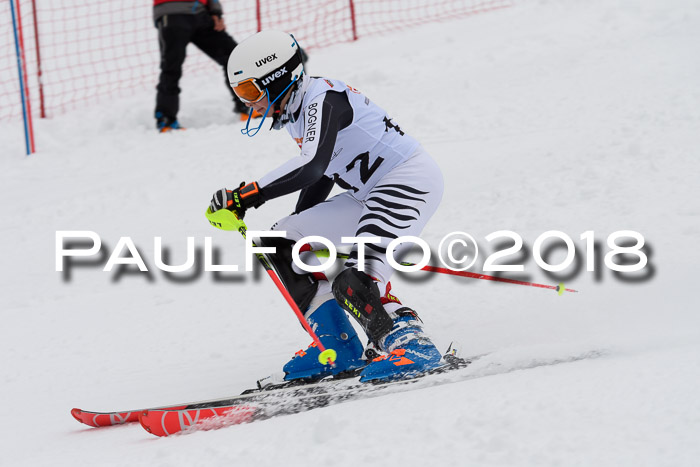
[[165, 124], [410, 353], [331, 325]]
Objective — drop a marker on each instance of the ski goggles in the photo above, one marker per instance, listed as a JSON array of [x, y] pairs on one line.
[[249, 91]]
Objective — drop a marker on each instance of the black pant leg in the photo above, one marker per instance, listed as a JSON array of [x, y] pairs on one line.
[[174, 33], [218, 45]]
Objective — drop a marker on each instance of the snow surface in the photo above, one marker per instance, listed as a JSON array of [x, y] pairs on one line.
[[567, 115]]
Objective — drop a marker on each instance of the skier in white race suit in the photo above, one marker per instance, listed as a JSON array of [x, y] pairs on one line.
[[392, 188]]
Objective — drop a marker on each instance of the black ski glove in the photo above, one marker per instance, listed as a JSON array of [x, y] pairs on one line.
[[238, 200]]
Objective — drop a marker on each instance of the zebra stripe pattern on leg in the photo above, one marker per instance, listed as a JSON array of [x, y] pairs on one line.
[[390, 211]]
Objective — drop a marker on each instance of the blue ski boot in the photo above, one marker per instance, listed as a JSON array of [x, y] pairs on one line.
[[410, 352], [331, 325], [165, 124]]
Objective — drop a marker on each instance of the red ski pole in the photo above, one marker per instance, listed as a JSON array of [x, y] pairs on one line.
[[559, 288], [228, 220]]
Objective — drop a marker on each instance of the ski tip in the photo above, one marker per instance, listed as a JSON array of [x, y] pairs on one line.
[[77, 414], [145, 421], [100, 419]]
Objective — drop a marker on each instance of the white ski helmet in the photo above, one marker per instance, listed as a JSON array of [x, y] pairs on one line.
[[266, 63]]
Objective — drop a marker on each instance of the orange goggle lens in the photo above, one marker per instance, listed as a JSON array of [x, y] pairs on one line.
[[248, 91]]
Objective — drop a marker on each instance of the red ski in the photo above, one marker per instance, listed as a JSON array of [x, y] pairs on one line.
[[163, 422], [295, 397], [286, 399], [99, 419]]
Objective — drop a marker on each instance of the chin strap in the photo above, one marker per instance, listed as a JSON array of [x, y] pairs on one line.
[[254, 131]]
